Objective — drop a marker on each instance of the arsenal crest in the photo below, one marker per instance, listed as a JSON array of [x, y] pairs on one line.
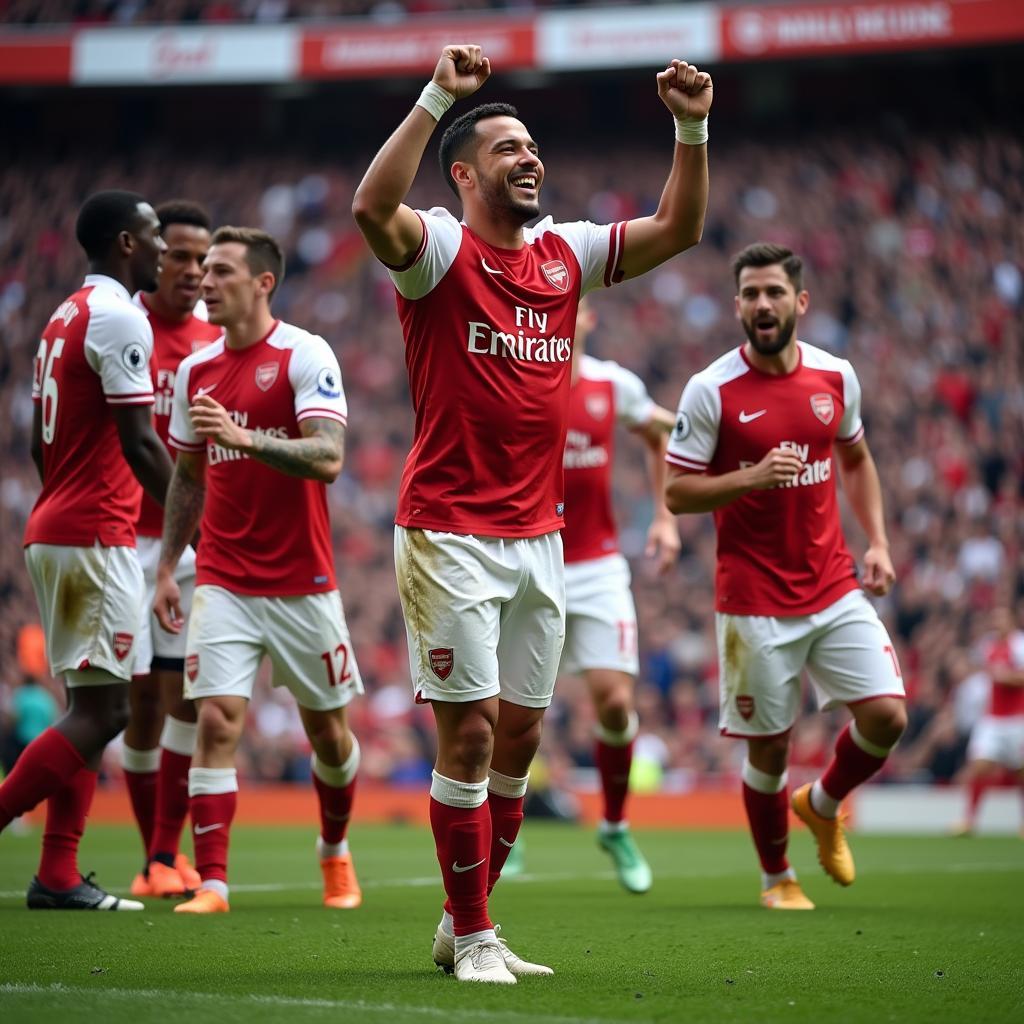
[[597, 405], [266, 374], [442, 659], [122, 645], [823, 407], [745, 706], [192, 667], [557, 275]]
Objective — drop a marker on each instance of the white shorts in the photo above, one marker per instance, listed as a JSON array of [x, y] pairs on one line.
[[845, 649], [999, 740], [90, 600], [600, 617], [154, 641], [305, 637], [484, 616]]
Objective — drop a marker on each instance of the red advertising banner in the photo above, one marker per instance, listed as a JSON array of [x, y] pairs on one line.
[[375, 52], [35, 60], [795, 30]]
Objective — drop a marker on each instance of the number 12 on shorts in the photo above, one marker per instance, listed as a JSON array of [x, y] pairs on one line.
[[336, 661]]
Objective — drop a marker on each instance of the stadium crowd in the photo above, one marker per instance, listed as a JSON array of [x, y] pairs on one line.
[[151, 12], [916, 273]]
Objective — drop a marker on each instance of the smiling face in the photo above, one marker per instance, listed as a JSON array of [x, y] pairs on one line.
[[767, 306], [505, 168], [181, 269], [146, 251]]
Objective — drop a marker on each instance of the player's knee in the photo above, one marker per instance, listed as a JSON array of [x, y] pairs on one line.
[[770, 754], [884, 721], [472, 745], [217, 728], [614, 707]]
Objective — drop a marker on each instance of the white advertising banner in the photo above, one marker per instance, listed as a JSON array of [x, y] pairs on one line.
[[175, 55], [628, 37]]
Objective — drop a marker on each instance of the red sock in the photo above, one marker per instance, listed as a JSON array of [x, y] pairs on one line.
[[506, 818], [171, 803], [142, 795], [462, 836], [212, 814], [613, 764], [849, 768], [66, 811], [976, 791], [335, 808], [768, 814], [45, 765]]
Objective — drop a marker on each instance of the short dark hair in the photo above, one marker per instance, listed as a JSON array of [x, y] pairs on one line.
[[103, 216], [767, 254], [462, 131], [183, 211], [262, 251]]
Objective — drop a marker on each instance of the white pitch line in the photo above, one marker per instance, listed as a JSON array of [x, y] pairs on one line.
[[287, 1002], [597, 876]]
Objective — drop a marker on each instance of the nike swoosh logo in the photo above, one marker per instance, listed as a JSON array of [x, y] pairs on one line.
[[203, 829], [505, 842], [336, 817], [746, 417], [490, 270], [459, 869]]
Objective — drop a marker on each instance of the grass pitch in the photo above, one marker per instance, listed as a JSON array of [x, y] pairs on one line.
[[932, 931]]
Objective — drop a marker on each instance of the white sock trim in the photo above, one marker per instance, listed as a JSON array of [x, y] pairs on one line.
[[457, 794], [447, 924], [619, 737], [767, 880], [337, 776], [211, 781], [822, 804], [866, 745], [328, 851], [506, 785], [217, 886], [762, 782], [179, 737], [140, 762], [465, 941]]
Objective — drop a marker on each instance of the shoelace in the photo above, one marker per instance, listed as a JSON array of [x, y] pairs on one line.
[[487, 954]]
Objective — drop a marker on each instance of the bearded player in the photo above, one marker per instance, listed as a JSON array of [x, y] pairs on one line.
[[488, 309], [758, 438], [160, 736], [258, 420]]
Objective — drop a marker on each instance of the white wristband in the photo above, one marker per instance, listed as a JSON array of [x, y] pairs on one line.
[[692, 133], [435, 100]]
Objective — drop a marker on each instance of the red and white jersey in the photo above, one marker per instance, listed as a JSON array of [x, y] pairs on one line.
[[94, 354], [1006, 701], [172, 341], [604, 394], [263, 533], [488, 347], [780, 551]]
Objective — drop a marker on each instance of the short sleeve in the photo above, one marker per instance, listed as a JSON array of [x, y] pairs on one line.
[[442, 239], [633, 405], [693, 441], [597, 248], [851, 428], [118, 347], [315, 377], [180, 434]]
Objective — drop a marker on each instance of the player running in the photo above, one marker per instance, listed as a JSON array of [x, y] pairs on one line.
[[258, 419], [754, 443], [996, 747], [160, 737], [600, 626], [93, 444], [488, 311]]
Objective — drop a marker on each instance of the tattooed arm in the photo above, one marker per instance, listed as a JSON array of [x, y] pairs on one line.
[[182, 512], [317, 455]]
